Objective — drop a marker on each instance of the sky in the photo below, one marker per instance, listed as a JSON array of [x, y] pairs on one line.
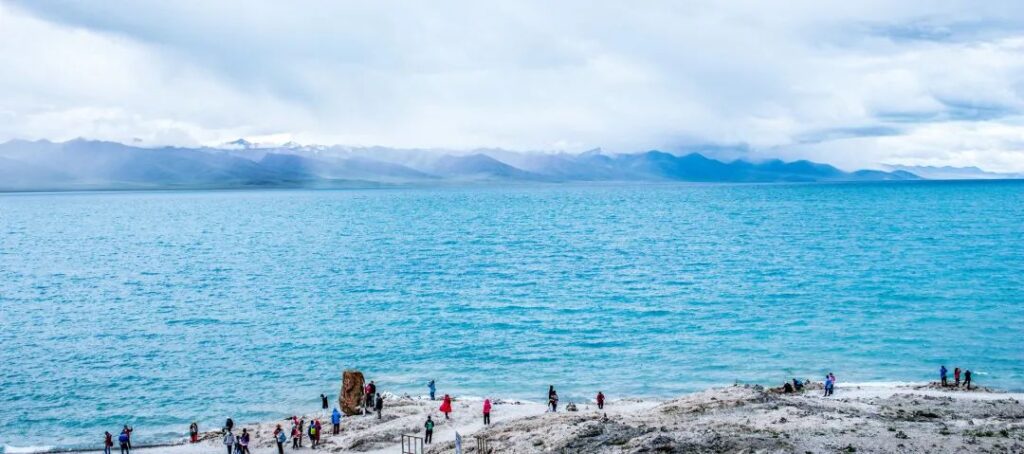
[[855, 84]]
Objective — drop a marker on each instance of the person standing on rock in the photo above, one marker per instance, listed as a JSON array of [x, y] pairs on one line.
[[832, 378], [600, 400], [319, 432], [366, 399], [487, 411], [967, 379], [280, 438], [127, 432], [956, 377], [108, 442], [828, 385], [552, 399], [243, 441], [371, 392], [432, 388], [379, 405], [193, 432], [228, 425], [126, 446], [312, 435], [942, 375], [302, 428], [446, 406], [428, 427], [324, 405], [296, 437], [229, 441], [336, 421]]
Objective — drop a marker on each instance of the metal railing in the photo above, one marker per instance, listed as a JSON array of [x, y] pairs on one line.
[[412, 444]]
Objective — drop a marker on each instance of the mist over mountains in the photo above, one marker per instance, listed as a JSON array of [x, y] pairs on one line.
[[84, 164]]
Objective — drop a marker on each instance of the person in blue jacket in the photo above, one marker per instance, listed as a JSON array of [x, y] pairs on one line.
[[336, 421], [942, 374], [433, 389]]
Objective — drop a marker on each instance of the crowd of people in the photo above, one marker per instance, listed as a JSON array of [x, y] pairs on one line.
[[373, 402]]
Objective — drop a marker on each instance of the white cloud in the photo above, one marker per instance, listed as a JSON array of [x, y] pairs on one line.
[[858, 84]]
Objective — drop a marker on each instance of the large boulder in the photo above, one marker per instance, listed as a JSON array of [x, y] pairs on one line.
[[351, 395]]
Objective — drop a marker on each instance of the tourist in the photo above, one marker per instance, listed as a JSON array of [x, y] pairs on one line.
[[487, 411], [787, 387], [302, 429], [446, 406], [280, 438], [125, 443], [378, 405], [127, 432], [324, 405], [193, 432], [956, 377], [319, 432], [429, 428], [108, 442], [243, 441], [967, 379], [600, 400], [296, 437], [942, 375], [371, 392], [336, 421], [828, 385], [228, 425], [553, 399], [432, 388], [366, 399], [832, 388], [797, 386], [229, 441], [312, 435]]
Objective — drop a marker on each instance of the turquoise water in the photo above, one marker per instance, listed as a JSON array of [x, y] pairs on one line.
[[157, 308]]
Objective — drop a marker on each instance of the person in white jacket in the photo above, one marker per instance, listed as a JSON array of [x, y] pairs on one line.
[[229, 441]]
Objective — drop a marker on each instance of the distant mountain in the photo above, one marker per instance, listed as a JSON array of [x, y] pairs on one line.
[[86, 164], [955, 173], [477, 167], [343, 168]]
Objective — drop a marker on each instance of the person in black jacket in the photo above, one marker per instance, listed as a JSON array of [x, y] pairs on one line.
[[379, 405]]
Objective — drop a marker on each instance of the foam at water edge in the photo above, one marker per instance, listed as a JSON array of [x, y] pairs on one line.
[[25, 449]]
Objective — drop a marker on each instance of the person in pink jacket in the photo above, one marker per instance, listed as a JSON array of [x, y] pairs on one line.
[[487, 411]]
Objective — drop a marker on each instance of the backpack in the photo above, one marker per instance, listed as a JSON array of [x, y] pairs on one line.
[[281, 437], [123, 438]]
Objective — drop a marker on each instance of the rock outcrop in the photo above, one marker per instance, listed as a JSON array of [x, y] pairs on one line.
[[351, 395]]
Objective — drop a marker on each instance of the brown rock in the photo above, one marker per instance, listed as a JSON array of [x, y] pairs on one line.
[[351, 395]]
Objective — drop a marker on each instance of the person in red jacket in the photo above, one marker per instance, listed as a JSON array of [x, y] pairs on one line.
[[446, 406], [108, 442], [956, 377], [487, 411], [600, 400]]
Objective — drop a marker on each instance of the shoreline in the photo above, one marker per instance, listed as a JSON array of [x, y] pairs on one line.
[[515, 420]]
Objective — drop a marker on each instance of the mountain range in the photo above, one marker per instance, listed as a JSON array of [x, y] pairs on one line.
[[87, 164]]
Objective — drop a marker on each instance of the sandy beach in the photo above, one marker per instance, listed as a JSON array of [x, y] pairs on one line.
[[870, 417]]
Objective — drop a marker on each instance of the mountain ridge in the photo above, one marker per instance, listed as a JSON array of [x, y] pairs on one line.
[[89, 164]]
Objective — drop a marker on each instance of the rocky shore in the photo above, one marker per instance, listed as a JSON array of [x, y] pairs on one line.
[[742, 418]]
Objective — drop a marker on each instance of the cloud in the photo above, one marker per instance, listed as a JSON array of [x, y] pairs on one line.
[[857, 85]]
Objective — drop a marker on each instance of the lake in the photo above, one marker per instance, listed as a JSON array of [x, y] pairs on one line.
[[160, 308]]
